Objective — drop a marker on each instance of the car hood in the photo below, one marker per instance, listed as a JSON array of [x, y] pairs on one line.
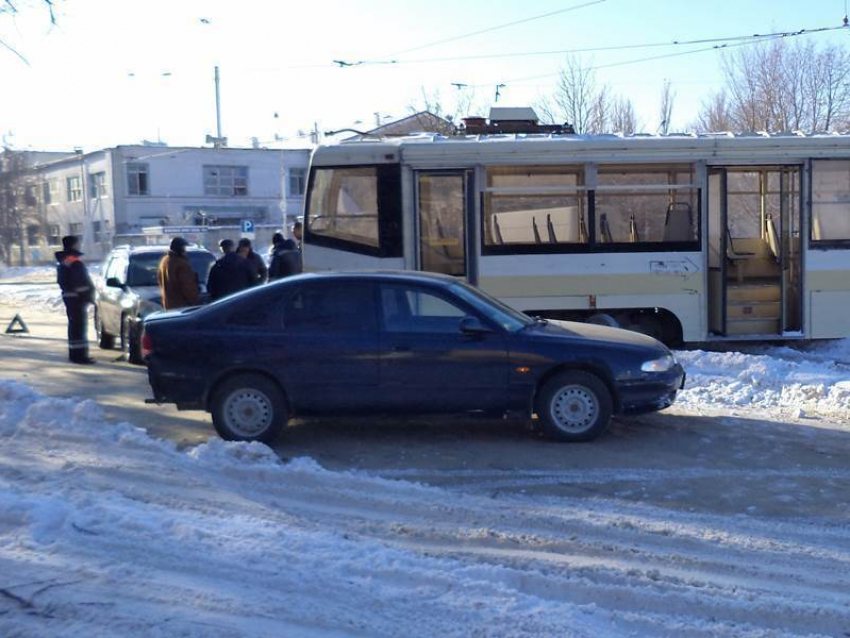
[[588, 331]]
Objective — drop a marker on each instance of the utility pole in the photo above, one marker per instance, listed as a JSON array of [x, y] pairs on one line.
[[217, 105]]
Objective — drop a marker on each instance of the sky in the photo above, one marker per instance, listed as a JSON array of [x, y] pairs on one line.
[[121, 71]]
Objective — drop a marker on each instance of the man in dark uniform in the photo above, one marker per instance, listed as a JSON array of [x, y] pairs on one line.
[[77, 293]]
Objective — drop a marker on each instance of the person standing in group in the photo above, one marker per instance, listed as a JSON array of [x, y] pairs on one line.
[[230, 274], [297, 230], [286, 259], [178, 283], [77, 293], [256, 262]]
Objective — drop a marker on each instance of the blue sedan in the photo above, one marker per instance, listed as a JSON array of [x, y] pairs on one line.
[[396, 342]]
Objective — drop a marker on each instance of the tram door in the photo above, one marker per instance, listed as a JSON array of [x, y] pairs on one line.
[[754, 251], [446, 228]]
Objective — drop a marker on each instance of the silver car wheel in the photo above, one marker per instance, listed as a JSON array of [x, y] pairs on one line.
[[574, 409], [248, 412]]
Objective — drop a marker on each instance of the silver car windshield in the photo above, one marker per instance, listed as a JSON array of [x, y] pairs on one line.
[[510, 319]]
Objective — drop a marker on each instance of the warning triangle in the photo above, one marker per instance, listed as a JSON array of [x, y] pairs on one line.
[[17, 326]]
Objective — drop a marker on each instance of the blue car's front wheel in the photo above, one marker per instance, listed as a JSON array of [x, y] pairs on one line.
[[574, 406]]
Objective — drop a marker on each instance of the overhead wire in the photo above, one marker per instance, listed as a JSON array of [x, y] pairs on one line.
[[739, 42]]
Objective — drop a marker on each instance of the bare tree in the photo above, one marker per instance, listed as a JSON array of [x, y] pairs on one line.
[[623, 119], [465, 103], [578, 99], [777, 86], [668, 97], [11, 8], [17, 195], [714, 115]]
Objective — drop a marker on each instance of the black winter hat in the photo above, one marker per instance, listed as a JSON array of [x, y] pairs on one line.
[[178, 243]]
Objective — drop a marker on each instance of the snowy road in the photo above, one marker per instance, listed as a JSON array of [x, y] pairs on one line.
[[728, 515]]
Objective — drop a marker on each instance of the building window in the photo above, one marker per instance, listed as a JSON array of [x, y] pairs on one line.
[[45, 193], [297, 181], [226, 181], [75, 190], [830, 201], [97, 185], [33, 235], [138, 181], [75, 229], [54, 238], [30, 196]]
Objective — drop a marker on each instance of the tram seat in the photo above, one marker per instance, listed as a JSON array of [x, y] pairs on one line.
[[634, 234], [550, 228], [583, 236], [536, 231], [772, 238], [678, 222], [817, 232], [497, 230], [605, 236], [736, 258]]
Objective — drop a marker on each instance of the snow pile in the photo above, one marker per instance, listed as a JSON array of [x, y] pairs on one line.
[[105, 531], [812, 380]]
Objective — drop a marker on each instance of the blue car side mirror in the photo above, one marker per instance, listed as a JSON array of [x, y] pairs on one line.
[[473, 326]]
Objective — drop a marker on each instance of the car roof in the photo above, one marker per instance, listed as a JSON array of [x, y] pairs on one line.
[[397, 276], [133, 250]]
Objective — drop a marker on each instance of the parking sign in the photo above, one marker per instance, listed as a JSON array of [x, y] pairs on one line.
[[248, 228]]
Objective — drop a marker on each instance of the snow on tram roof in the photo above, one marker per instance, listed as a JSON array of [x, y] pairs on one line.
[[518, 137], [548, 147]]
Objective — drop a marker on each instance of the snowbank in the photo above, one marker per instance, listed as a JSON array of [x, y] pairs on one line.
[[106, 531], [811, 379]]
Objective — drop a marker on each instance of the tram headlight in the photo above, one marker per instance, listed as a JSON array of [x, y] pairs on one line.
[[662, 364]]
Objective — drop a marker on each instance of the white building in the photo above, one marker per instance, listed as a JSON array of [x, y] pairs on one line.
[[117, 192]]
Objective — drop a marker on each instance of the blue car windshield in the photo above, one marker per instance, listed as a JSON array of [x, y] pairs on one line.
[[510, 319]]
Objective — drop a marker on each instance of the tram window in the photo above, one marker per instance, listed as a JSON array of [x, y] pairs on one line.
[[635, 205], [830, 201], [520, 208], [344, 205], [356, 208], [535, 219]]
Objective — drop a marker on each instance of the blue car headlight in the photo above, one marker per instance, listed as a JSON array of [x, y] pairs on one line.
[[662, 364]]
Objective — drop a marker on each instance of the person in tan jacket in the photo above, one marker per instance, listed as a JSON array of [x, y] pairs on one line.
[[177, 281]]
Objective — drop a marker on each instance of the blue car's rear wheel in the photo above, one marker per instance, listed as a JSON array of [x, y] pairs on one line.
[[249, 407], [574, 406]]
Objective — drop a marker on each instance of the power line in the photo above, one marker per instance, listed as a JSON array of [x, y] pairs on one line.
[[498, 27], [619, 47], [716, 47]]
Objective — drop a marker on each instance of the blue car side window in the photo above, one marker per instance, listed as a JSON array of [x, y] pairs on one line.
[[330, 307], [412, 310]]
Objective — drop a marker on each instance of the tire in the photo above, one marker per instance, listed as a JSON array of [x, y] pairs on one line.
[[130, 345], [105, 340], [249, 407], [574, 406]]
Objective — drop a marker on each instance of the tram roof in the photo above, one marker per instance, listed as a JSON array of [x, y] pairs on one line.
[[430, 148]]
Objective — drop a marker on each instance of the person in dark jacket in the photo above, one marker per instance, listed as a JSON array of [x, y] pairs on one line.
[[286, 260], [77, 294], [178, 283], [256, 262], [230, 274]]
